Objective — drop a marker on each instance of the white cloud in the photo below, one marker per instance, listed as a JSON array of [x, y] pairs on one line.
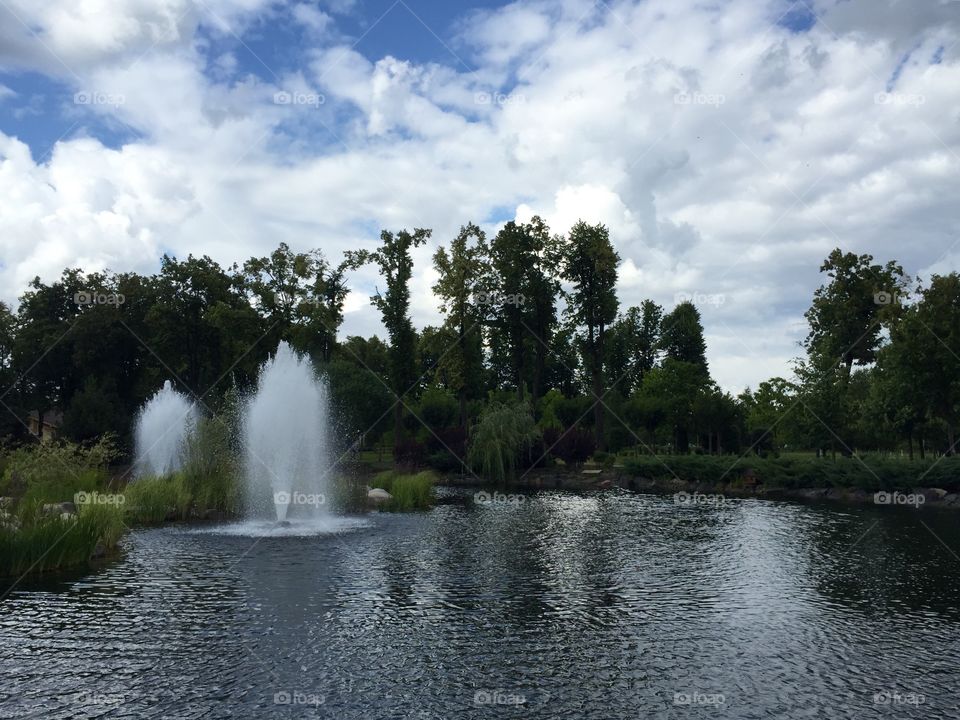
[[780, 153]]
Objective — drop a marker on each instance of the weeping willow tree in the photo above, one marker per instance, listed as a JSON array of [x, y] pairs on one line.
[[502, 438]]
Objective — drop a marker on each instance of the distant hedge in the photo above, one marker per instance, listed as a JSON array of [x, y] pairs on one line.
[[868, 473]]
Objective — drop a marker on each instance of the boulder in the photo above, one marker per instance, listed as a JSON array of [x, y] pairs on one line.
[[60, 508], [378, 495], [8, 521]]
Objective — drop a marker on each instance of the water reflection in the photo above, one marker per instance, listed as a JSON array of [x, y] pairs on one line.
[[606, 606]]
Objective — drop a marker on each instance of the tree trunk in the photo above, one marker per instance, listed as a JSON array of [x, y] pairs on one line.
[[596, 347], [397, 427], [910, 444], [950, 438], [462, 392]]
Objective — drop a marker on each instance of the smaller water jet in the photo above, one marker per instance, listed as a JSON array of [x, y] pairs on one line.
[[163, 426]]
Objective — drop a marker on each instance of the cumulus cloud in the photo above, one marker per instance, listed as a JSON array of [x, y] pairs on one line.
[[726, 153]]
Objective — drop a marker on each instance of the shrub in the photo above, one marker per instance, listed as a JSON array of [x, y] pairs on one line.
[[409, 454], [55, 472], [501, 440], [573, 445], [870, 474]]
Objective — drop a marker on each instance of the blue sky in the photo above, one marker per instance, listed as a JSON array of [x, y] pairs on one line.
[[728, 145]]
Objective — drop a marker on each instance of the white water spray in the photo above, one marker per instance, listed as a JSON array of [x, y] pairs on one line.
[[165, 422]]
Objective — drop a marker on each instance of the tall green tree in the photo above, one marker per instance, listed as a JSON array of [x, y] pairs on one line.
[[681, 336], [590, 265], [935, 324], [524, 259], [848, 312], [633, 345], [394, 260], [463, 278]]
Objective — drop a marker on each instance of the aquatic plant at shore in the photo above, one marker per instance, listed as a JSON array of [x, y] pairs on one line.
[[409, 492], [37, 543]]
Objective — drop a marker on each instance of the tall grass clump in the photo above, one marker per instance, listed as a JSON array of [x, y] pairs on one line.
[[151, 500], [211, 469], [501, 440], [410, 492], [38, 543]]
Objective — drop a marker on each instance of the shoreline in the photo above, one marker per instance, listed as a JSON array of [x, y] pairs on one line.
[[615, 478]]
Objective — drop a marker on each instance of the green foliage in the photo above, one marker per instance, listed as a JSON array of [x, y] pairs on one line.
[[463, 275], [501, 440], [395, 262], [847, 314], [211, 470], [870, 473], [55, 472], [590, 264], [438, 408], [43, 543], [152, 500], [632, 347], [682, 336], [409, 491]]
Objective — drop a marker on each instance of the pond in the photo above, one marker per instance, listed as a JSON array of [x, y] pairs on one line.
[[556, 605]]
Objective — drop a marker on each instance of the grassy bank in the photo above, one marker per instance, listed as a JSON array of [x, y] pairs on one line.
[[52, 542], [867, 473], [37, 533]]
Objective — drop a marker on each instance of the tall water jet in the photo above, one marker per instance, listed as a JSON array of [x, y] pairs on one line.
[[286, 429], [163, 425]]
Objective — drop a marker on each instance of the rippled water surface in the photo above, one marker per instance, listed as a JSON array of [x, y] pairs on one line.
[[560, 606]]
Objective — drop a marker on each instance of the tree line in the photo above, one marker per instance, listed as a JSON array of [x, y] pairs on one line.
[[531, 321]]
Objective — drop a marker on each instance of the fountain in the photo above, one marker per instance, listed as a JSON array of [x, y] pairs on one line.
[[162, 428], [286, 427]]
